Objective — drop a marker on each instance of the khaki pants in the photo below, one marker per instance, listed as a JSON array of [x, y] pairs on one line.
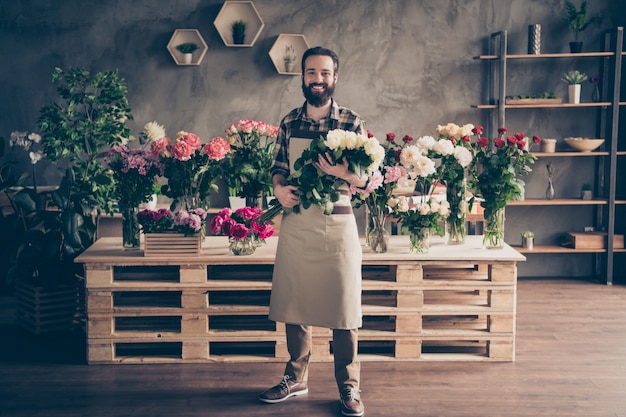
[[345, 346]]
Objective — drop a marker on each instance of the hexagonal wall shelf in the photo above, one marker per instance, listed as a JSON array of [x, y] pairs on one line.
[[239, 10], [277, 52], [184, 36]]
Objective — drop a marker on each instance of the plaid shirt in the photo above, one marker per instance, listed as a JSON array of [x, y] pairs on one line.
[[339, 118]]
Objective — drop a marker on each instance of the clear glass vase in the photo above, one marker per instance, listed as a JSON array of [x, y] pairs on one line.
[[130, 227], [419, 241], [379, 237], [493, 237], [455, 224], [241, 246]]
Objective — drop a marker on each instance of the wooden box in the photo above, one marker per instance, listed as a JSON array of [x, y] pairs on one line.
[[593, 240], [175, 244], [42, 310]]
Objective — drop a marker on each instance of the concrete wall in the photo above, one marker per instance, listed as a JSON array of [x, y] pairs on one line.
[[406, 65]]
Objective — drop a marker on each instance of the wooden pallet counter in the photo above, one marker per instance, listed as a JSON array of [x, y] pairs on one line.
[[454, 303]]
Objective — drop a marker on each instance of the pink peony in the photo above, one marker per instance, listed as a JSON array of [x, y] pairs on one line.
[[217, 148]]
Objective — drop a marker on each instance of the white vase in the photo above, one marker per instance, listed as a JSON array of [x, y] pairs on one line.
[[573, 93], [187, 58], [236, 202]]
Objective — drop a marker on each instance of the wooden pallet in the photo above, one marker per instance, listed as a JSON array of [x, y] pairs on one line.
[[216, 310]]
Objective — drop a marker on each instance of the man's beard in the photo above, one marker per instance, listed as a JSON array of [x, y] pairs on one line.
[[318, 99]]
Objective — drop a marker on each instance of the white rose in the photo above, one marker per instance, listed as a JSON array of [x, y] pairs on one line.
[[463, 155], [443, 147]]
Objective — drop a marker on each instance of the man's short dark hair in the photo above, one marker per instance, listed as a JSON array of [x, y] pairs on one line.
[[318, 50]]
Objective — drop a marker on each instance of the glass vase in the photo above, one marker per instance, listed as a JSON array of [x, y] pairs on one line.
[[130, 227], [455, 224], [550, 192], [241, 246], [379, 237], [419, 241], [493, 237]]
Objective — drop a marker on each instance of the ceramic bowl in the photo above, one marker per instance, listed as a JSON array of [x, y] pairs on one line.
[[584, 144]]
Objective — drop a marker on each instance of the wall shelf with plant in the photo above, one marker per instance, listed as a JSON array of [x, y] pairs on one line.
[[184, 42], [602, 210], [288, 48], [235, 17]]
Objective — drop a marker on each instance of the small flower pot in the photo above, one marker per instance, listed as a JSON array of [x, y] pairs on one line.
[[548, 145], [586, 194], [528, 242], [573, 93], [575, 47]]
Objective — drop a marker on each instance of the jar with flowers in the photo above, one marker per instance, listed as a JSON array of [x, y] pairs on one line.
[[191, 168], [135, 172], [247, 167], [380, 188], [420, 215], [496, 169], [452, 150], [243, 227]]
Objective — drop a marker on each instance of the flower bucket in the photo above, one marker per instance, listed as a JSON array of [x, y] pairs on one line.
[[172, 244]]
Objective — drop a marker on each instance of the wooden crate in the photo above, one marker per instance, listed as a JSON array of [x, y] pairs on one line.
[[171, 244], [44, 310], [593, 240]]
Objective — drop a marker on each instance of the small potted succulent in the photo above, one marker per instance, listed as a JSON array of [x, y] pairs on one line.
[[187, 50], [586, 192], [289, 57], [578, 21], [528, 238], [238, 28], [574, 79]]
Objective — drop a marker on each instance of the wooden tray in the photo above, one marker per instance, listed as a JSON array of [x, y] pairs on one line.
[[533, 101], [592, 240]]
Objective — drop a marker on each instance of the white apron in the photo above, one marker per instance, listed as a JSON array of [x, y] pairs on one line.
[[317, 273]]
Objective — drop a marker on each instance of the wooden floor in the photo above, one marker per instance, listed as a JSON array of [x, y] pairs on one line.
[[571, 361]]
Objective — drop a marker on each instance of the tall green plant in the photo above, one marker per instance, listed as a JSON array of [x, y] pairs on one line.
[[89, 117], [577, 20]]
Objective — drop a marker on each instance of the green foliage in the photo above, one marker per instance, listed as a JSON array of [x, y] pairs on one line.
[[496, 169], [528, 234], [187, 47], [574, 77], [239, 29], [545, 94], [577, 20], [89, 118]]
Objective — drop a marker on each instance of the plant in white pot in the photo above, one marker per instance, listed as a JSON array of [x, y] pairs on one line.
[[187, 50], [574, 79], [528, 238], [585, 192], [290, 58], [578, 21]]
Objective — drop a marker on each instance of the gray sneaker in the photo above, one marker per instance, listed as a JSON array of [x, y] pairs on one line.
[[351, 404], [287, 388]]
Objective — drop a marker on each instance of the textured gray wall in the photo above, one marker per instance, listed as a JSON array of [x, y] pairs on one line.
[[406, 66]]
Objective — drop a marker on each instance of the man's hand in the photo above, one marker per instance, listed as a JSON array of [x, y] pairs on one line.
[[339, 170], [285, 195]]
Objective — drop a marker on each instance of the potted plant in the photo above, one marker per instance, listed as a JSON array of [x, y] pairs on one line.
[[585, 192], [289, 57], [528, 237], [239, 31], [578, 21], [574, 78], [187, 50], [88, 118]]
